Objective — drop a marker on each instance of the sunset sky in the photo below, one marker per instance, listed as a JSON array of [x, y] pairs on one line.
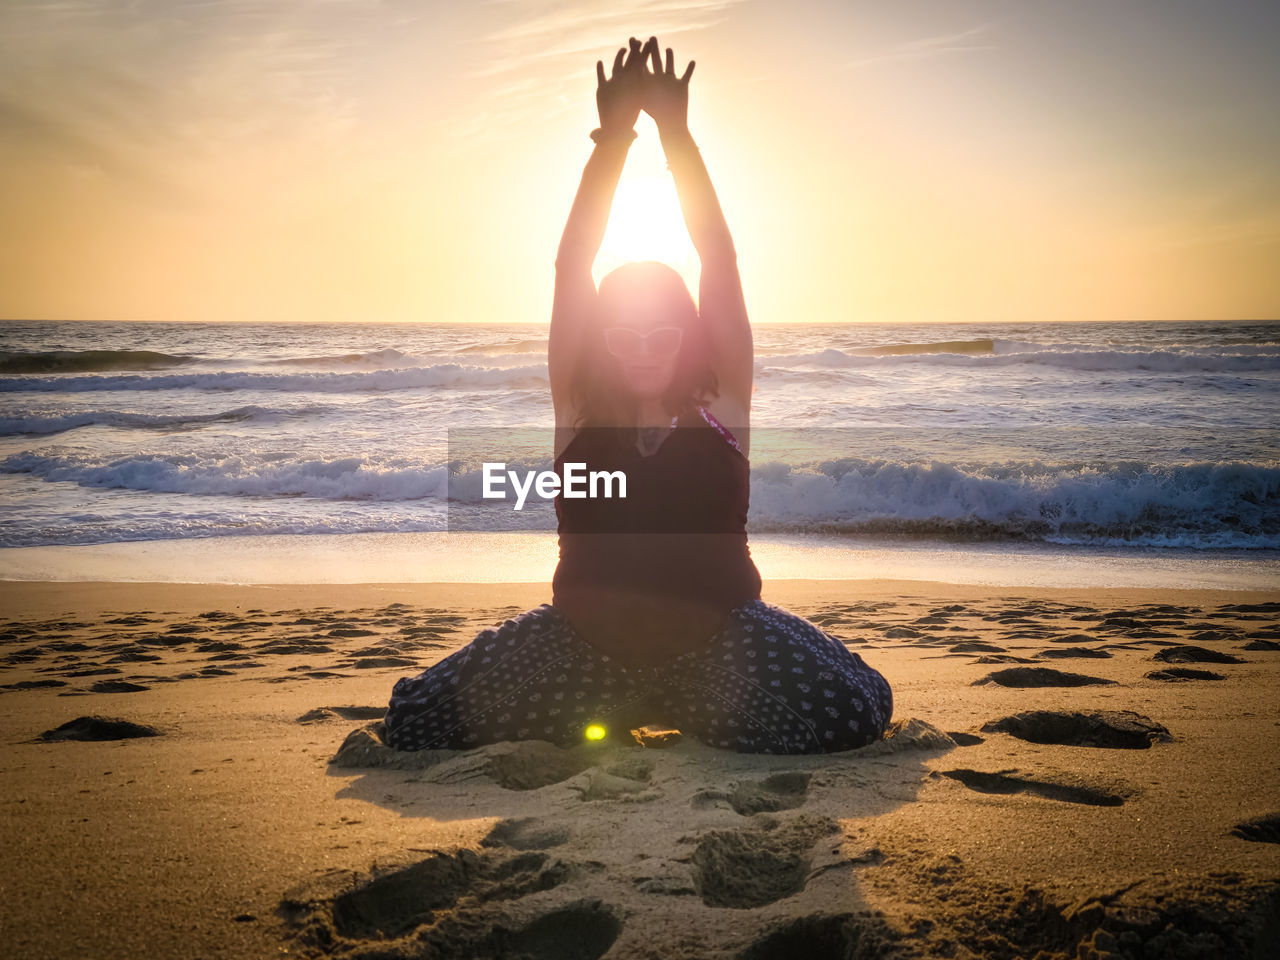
[[405, 161]]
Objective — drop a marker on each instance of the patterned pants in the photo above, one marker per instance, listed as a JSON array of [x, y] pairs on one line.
[[769, 682]]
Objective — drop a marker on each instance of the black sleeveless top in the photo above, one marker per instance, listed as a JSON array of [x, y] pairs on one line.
[[655, 574]]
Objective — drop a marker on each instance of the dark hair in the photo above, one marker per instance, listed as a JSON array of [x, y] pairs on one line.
[[594, 385]]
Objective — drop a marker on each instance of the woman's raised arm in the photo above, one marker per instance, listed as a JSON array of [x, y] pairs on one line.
[[720, 301], [618, 100]]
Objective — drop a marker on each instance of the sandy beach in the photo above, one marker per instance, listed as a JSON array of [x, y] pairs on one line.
[[1071, 773]]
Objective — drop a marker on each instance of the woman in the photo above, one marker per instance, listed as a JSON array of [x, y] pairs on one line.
[[656, 614]]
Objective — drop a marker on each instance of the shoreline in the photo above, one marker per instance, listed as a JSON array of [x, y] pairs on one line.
[[531, 558], [20, 598]]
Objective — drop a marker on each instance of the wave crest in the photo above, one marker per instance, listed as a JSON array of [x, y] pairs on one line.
[[43, 425], [81, 361], [1232, 504], [1196, 505], [1095, 361], [451, 375]]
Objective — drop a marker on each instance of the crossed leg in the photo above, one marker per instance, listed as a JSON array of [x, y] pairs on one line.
[[768, 682]]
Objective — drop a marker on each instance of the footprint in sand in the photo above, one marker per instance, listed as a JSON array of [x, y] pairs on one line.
[[905, 633], [1179, 674], [1063, 653], [132, 620], [1188, 653], [627, 779], [1264, 829], [779, 791], [757, 865], [90, 672], [365, 662], [1074, 638], [976, 646], [1260, 644], [342, 713], [513, 764], [819, 936], [1269, 607], [449, 905], [1040, 677], [289, 648], [1005, 783], [1216, 634], [597, 785], [33, 684], [392, 904], [219, 646], [134, 656], [117, 686], [526, 833], [1122, 729], [99, 728]]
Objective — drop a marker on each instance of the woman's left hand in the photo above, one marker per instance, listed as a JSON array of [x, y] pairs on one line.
[[666, 95], [620, 98]]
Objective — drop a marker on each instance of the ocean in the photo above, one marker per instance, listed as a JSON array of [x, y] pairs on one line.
[[1152, 441]]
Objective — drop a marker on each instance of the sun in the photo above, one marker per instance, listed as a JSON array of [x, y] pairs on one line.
[[646, 223]]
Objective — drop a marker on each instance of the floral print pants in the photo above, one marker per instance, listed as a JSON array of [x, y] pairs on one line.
[[768, 682]]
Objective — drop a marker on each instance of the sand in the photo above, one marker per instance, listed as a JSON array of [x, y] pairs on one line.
[[1071, 773]]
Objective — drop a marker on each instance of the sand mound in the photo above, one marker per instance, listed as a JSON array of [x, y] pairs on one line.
[[99, 728]]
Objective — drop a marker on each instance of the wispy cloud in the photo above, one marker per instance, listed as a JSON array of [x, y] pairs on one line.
[[556, 28], [546, 52], [923, 48], [143, 91]]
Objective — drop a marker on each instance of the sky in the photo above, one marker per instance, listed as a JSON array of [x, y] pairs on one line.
[[412, 160]]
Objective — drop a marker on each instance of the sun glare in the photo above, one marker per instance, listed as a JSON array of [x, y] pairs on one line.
[[646, 223]]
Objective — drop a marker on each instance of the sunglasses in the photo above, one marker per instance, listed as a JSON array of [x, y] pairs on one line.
[[625, 342]]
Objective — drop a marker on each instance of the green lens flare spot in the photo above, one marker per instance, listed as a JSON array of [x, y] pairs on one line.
[[595, 731]]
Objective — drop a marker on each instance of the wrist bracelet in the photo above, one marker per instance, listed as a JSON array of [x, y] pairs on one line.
[[600, 134]]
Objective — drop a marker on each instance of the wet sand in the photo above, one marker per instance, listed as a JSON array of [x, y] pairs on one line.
[[1071, 773]]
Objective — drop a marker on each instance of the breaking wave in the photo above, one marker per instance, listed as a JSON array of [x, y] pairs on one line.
[[1194, 505]]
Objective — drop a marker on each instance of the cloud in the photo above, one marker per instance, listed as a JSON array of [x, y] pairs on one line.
[[542, 60], [554, 28], [923, 48], [153, 91]]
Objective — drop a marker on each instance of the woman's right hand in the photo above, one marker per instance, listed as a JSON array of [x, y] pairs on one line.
[[620, 97]]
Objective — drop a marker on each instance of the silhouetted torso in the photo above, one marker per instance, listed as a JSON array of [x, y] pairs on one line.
[[654, 575]]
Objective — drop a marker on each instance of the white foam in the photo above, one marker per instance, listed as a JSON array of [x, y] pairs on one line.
[[342, 478], [1117, 361], [1192, 505]]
